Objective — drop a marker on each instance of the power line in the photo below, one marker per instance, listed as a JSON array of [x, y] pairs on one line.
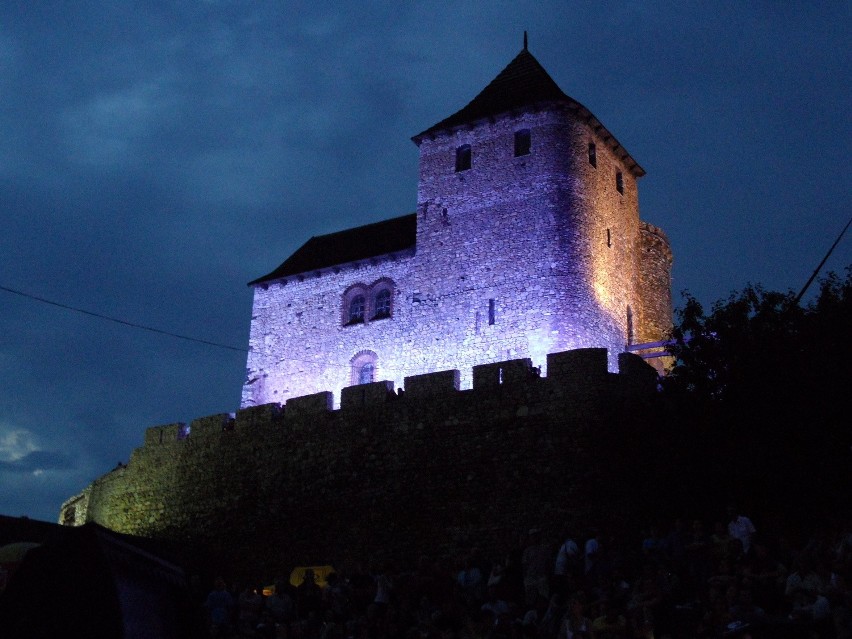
[[120, 321], [821, 264], [169, 333]]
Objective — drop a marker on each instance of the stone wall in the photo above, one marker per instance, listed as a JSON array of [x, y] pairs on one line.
[[387, 475]]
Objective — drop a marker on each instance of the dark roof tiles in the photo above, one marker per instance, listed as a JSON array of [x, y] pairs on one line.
[[522, 83], [362, 242]]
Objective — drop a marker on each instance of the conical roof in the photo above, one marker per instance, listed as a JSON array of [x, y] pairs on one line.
[[524, 83]]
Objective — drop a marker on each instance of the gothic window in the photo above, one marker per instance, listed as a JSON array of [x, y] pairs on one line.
[[356, 309], [382, 304], [522, 142], [364, 366], [593, 154], [463, 157], [619, 183]]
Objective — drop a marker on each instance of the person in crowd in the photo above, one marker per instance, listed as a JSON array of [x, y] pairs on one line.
[[470, 581], [551, 621], [766, 576], [699, 560], [250, 603], [575, 623], [280, 604], [220, 607], [494, 603], [536, 562], [654, 546], [741, 529], [337, 597], [803, 577], [675, 545], [566, 568], [308, 595], [610, 622], [384, 589]]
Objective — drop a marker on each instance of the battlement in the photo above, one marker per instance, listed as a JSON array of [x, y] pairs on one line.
[[660, 237], [577, 372], [398, 468]]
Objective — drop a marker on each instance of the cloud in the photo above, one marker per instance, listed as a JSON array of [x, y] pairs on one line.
[[15, 444], [37, 463], [20, 453], [107, 128]]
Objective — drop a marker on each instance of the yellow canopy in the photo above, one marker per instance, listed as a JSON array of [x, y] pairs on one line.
[[320, 574]]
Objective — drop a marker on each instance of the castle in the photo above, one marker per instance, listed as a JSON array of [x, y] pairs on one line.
[[526, 241], [502, 307]]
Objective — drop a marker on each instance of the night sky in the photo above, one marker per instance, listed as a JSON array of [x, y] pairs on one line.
[[155, 157]]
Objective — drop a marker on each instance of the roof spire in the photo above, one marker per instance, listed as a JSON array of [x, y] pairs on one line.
[[525, 40]]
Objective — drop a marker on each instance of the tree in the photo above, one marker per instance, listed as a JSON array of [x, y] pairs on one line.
[[759, 403]]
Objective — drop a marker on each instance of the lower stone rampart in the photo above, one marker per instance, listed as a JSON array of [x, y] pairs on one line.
[[390, 475]]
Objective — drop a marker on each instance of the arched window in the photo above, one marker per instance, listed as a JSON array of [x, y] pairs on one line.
[[364, 367], [356, 309], [382, 304], [366, 373], [362, 303]]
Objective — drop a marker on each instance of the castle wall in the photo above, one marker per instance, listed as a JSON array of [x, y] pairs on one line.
[[655, 282], [300, 342], [388, 476]]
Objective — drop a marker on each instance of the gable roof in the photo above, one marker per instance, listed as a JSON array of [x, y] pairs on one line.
[[351, 245], [522, 84]]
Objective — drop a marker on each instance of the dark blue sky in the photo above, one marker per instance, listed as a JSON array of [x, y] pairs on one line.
[[155, 157]]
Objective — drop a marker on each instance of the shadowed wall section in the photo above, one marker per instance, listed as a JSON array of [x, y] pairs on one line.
[[386, 475]]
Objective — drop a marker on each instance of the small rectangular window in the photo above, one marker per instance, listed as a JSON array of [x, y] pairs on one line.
[[593, 154], [463, 158], [619, 183], [522, 142], [492, 311]]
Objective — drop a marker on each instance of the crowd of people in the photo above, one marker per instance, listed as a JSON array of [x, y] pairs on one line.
[[688, 579]]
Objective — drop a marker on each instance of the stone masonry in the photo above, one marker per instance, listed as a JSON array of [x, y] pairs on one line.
[[386, 475]]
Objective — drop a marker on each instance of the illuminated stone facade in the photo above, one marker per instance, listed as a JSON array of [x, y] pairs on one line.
[[526, 241]]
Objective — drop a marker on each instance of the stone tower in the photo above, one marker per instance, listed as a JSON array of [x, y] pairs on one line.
[[527, 240]]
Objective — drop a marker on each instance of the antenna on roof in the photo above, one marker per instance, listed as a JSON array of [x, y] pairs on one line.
[[525, 40]]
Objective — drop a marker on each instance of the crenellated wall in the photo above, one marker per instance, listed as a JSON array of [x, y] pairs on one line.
[[388, 474]]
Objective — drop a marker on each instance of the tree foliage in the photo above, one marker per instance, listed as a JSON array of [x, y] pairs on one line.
[[758, 408]]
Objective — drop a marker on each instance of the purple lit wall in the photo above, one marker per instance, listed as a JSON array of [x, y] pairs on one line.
[[515, 257]]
